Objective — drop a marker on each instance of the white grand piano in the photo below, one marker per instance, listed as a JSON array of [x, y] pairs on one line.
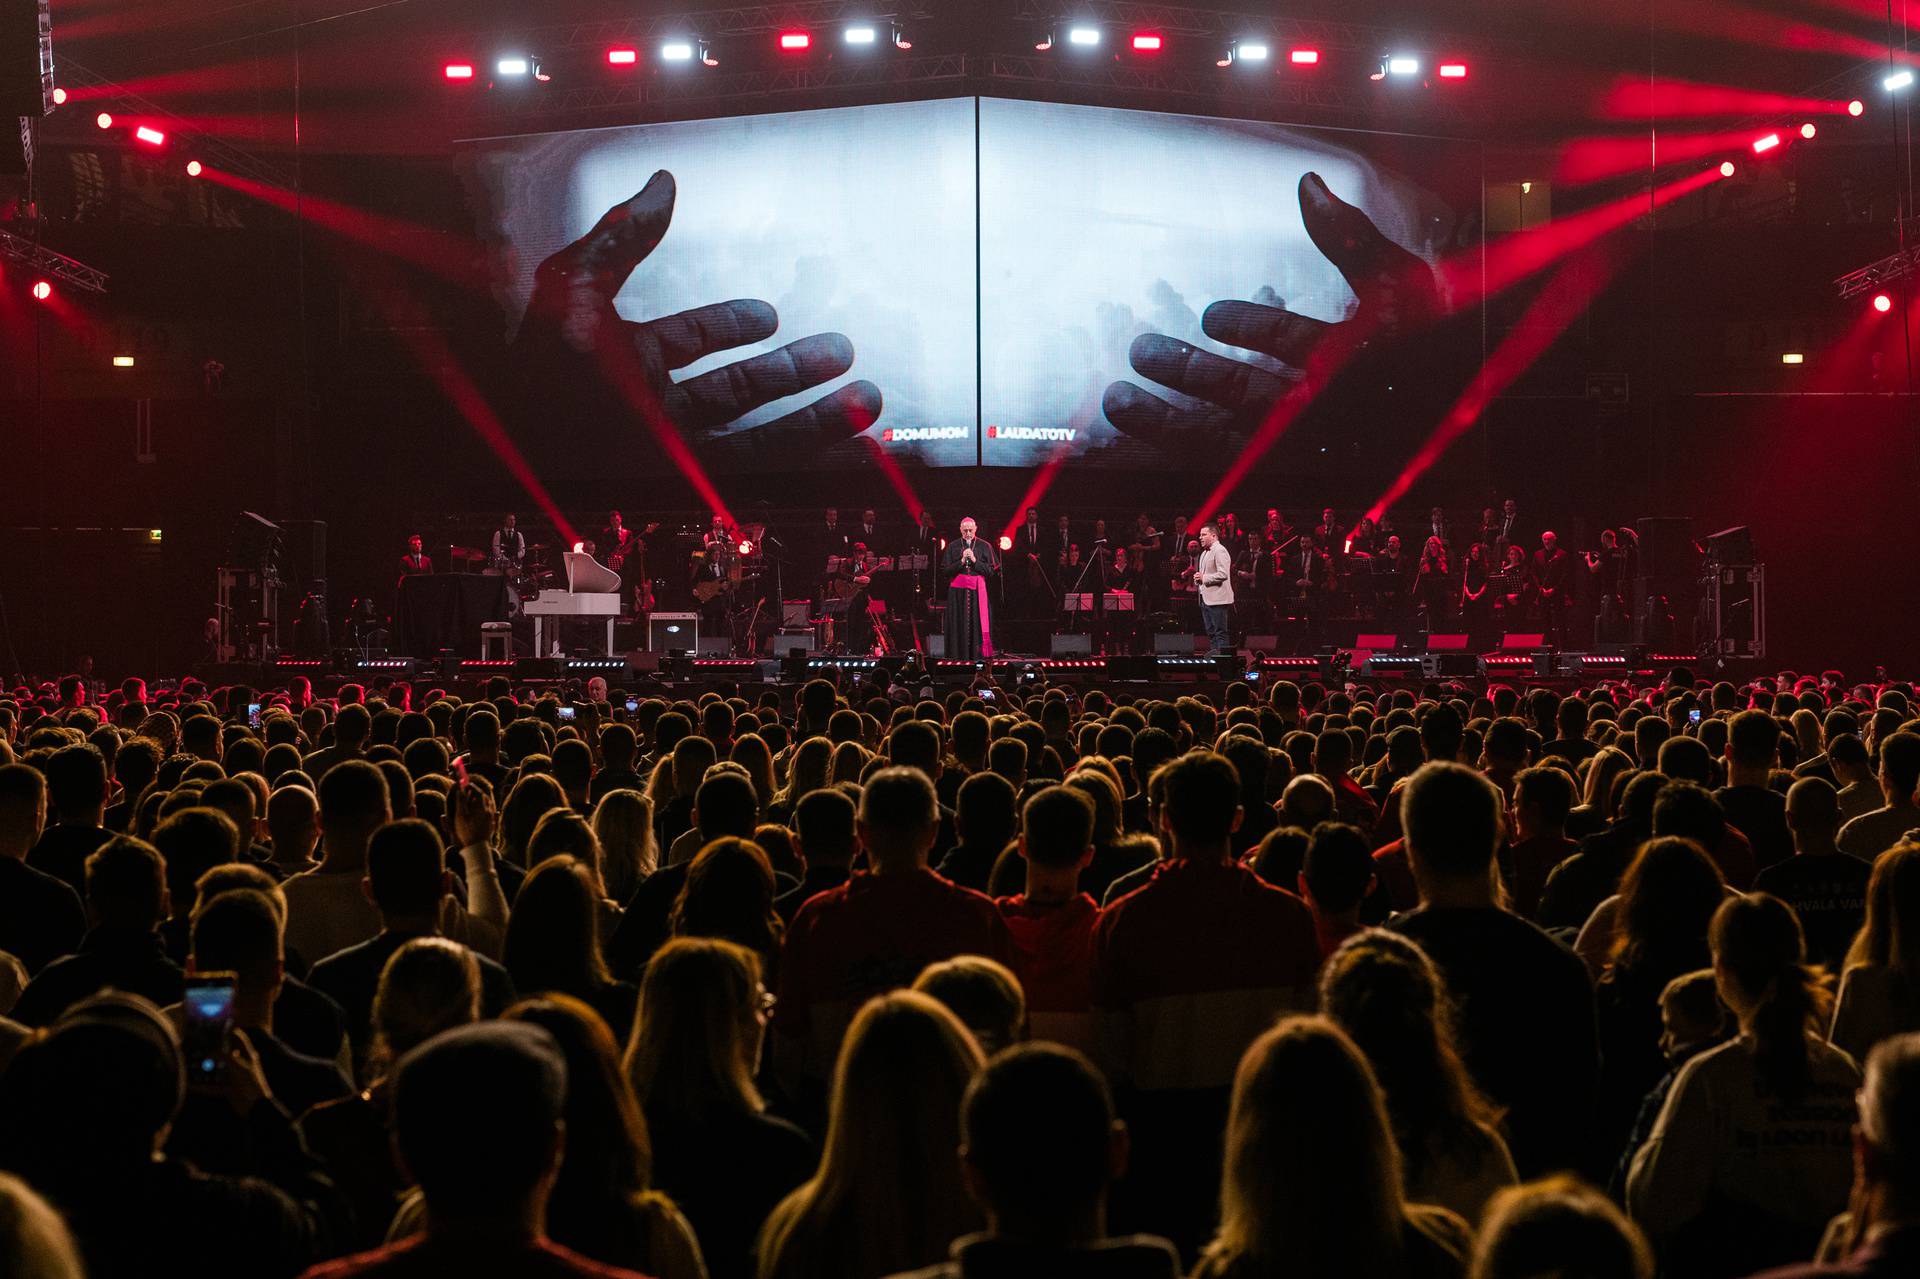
[[593, 590]]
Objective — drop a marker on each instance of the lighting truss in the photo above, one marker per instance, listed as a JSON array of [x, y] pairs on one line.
[[56, 266], [1893, 267], [1226, 25], [123, 103]]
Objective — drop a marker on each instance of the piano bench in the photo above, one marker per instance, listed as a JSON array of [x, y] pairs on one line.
[[496, 641]]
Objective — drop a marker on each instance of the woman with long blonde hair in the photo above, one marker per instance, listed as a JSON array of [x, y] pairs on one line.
[[806, 773], [692, 1059], [623, 823], [888, 1195], [849, 761], [1310, 1187], [751, 753], [1880, 989]]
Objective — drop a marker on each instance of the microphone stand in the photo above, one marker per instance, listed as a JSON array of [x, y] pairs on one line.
[[1099, 549]]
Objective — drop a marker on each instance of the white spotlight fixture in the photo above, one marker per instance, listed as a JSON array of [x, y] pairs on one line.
[[1256, 51], [1897, 81], [863, 35], [1403, 66], [512, 66], [1083, 36]]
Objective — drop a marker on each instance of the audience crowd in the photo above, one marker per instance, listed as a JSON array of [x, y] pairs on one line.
[[853, 980]]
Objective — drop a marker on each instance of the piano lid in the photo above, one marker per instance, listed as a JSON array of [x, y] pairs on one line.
[[587, 576]]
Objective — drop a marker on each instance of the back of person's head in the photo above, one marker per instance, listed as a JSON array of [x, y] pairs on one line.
[[1668, 898], [353, 801], [618, 746], [1813, 808], [1638, 798], [1040, 1141], [1310, 1181], [903, 1069], [76, 782], [1889, 1124], [983, 993], [1547, 791], [126, 884], [899, 814], [1689, 810], [1506, 742], [915, 744], [512, 1073], [1687, 759], [1558, 1228], [352, 725], [608, 1157], [552, 941], [824, 821], [727, 806], [563, 832], [1451, 817], [573, 764], [1057, 827], [34, 1240], [1890, 936], [696, 1036], [406, 870], [429, 985], [23, 805], [1753, 740], [193, 841], [1384, 992], [1759, 962], [729, 893], [94, 1093], [238, 931], [1201, 807], [1899, 765], [984, 810], [1338, 867]]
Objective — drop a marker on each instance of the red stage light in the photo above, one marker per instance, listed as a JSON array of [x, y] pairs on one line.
[[104, 120], [459, 71], [42, 290], [746, 548], [1807, 130], [1453, 70], [1146, 44], [1882, 303], [795, 40], [1763, 145], [1304, 57], [151, 136], [579, 548], [622, 57], [1726, 168], [1856, 107], [193, 168], [1006, 543], [59, 97]]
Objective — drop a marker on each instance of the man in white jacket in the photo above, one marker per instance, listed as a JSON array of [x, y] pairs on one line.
[[1214, 576]]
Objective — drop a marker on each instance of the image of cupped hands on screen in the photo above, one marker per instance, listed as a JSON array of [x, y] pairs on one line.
[[1224, 399], [571, 317]]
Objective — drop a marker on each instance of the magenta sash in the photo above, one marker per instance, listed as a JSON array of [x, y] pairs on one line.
[[978, 585]]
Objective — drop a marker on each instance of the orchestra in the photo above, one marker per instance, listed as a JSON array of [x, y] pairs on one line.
[[870, 587]]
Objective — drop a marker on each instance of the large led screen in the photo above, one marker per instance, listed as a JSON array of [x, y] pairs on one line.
[[960, 282]]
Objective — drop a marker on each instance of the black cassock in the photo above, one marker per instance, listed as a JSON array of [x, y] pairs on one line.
[[968, 626]]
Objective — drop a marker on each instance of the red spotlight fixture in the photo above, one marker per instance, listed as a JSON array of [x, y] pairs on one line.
[[1304, 57], [1453, 70], [104, 120], [458, 71], [622, 57], [1726, 168], [59, 97], [193, 169], [42, 290], [151, 136], [1006, 543], [1146, 42], [1765, 144], [1882, 303], [1856, 107], [1807, 130], [792, 41]]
